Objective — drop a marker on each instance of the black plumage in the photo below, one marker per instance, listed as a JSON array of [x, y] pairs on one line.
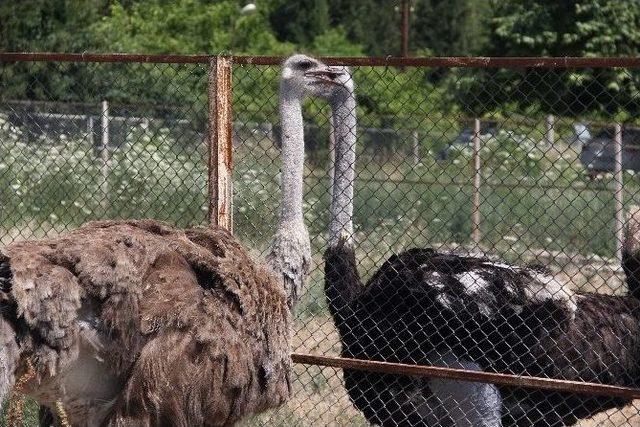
[[515, 320], [426, 307]]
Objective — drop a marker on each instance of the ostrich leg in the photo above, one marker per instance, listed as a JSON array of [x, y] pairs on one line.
[[469, 404], [8, 357]]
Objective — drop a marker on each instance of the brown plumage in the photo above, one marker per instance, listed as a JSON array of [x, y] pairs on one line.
[[137, 323]]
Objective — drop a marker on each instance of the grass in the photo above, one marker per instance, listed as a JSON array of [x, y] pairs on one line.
[[30, 417], [48, 185]]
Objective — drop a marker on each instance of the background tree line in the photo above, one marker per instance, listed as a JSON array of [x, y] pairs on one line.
[[335, 27]]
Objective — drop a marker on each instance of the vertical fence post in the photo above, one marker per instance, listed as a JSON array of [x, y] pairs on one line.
[[415, 147], [146, 126], [220, 142], [90, 131], [475, 213], [550, 134], [104, 155], [619, 223]]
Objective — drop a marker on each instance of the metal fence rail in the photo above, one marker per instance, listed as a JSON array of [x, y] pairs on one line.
[[476, 156], [447, 62]]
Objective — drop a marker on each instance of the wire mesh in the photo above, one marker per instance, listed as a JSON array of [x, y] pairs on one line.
[[514, 165]]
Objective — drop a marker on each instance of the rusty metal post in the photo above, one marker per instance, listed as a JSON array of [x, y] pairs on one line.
[[220, 143], [406, 10], [619, 223], [475, 214]]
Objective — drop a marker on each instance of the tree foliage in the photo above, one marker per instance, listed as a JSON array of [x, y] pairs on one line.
[[333, 27], [47, 25], [300, 21], [584, 28], [569, 28], [451, 27]]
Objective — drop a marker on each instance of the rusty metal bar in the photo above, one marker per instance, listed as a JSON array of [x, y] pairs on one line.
[[617, 182], [491, 184], [102, 57], [579, 387], [445, 62], [475, 213], [220, 140]]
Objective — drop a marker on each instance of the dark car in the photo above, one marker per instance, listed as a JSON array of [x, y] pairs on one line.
[[465, 137], [598, 152]]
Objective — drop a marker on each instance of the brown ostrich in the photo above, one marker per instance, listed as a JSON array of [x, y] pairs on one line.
[[137, 323]]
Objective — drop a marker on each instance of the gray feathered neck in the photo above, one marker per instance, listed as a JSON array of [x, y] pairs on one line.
[[344, 119], [290, 254]]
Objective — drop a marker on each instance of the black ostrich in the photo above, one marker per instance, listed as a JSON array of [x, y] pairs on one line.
[[432, 308]]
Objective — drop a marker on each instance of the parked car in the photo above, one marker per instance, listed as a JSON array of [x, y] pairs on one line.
[[598, 152], [465, 137]]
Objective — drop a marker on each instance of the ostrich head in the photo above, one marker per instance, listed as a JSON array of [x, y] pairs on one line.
[[303, 75], [340, 84]]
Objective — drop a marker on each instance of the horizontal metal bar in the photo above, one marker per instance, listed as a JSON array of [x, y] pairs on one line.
[[596, 187], [102, 57], [444, 62], [578, 387], [487, 62], [96, 104], [126, 119]]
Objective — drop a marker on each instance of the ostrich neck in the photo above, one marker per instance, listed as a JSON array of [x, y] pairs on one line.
[[342, 281], [290, 253], [344, 131], [292, 157]]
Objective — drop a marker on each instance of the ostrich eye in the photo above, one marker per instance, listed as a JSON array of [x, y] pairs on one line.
[[304, 65]]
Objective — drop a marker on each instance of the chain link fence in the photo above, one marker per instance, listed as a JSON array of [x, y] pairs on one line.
[[517, 162]]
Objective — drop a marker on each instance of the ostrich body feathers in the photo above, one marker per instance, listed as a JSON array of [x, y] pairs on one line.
[[426, 307], [138, 323]]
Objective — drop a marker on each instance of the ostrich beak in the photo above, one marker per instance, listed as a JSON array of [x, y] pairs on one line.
[[325, 75]]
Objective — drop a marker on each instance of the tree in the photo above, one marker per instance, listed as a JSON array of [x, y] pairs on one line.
[[374, 24], [47, 25], [299, 21], [567, 28], [450, 27]]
